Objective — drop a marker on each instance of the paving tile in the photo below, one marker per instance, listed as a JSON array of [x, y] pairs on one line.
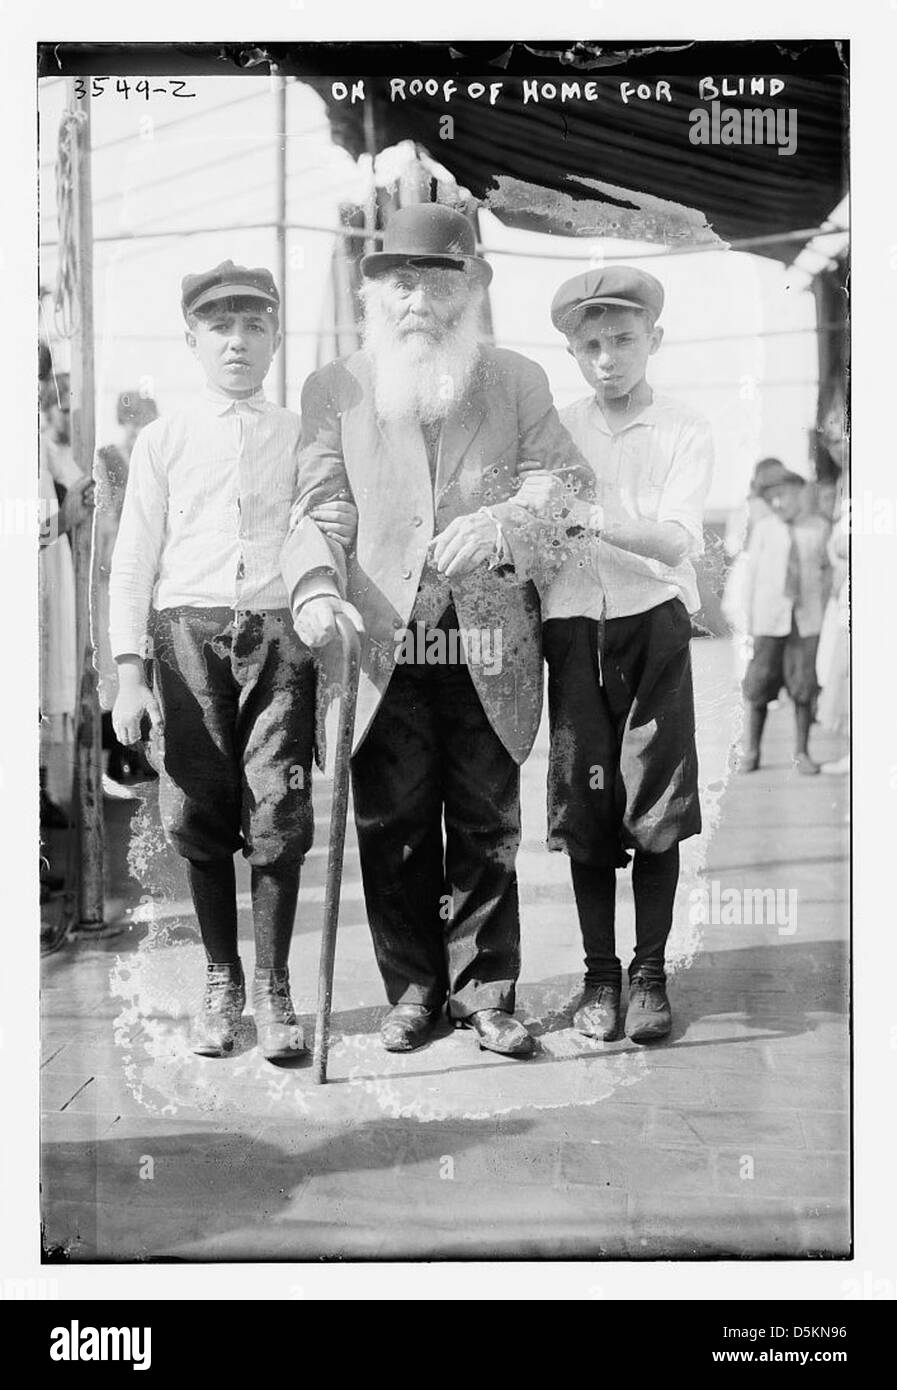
[[773, 1171], [103, 1093], [824, 1131], [87, 1055], [522, 1162], [825, 1090], [749, 1129], [637, 1168], [667, 1086], [59, 1126], [59, 1089], [621, 1120], [715, 1047]]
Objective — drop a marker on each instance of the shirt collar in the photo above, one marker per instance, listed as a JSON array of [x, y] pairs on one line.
[[647, 416], [220, 404]]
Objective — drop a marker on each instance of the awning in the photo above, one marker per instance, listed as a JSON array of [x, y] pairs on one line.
[[591, 165], [614, 167]]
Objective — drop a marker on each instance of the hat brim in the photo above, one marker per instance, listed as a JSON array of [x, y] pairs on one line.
[[379, 261], [788, 480], [603, 302], [231, 291]]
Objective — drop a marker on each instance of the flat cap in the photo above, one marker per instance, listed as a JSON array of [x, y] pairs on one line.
[[618, 285], [778, 477], [228, 281]]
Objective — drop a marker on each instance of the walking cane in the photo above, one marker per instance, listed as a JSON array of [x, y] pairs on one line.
[[351, 656]]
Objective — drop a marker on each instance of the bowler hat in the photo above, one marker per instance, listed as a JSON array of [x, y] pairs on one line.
[[620, 286], [427, 232], [227, 281]]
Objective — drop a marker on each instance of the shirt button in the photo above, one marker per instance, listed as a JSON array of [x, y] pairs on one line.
[[406, 574], [417, 521], [241, 570]]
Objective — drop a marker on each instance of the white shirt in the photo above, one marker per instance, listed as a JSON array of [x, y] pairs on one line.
[[657, 467], [769, 609], [206, 511]]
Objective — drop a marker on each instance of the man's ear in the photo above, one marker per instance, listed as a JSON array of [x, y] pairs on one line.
[[656, 337], [190, 339], [278, 339]]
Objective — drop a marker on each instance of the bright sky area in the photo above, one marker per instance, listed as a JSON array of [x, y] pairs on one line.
[[740, 339]]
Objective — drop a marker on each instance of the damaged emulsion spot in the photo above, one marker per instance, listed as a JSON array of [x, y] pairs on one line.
[[617, 212]]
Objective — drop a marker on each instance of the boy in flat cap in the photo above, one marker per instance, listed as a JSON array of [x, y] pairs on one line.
[[787, 583], [196, 570], [623, 772]]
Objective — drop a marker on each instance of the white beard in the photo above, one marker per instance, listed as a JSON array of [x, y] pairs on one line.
[[417, 376]]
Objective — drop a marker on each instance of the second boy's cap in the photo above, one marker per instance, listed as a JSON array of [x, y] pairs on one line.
[[618, 285], [778, 476], [227, 281]]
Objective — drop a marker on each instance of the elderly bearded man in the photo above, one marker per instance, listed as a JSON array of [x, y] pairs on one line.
[[426, 431]]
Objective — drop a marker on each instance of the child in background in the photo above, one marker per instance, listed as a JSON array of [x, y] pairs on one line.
[[739, 528], [787, 582]]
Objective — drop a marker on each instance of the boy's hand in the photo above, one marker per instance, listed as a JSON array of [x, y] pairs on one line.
[[77, 505], [134, 700], [541, 492], [338, 521], [315, 623]]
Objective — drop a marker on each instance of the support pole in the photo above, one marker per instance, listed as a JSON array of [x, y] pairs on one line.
[[370, 143], [88, 755], [280, 96]]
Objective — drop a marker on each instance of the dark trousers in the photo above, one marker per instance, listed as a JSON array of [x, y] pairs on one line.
[[623, 771], [623, 767], [443, 910], [782, 661], [237, 693]]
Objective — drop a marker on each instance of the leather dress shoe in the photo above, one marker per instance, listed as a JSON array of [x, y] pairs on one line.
[[215, 1030], [277, 1028], [407, 1026], [648, 1016], [598, 1013], [499, 1031]]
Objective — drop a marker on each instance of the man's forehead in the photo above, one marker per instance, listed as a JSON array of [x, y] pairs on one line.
[[428, 272]]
